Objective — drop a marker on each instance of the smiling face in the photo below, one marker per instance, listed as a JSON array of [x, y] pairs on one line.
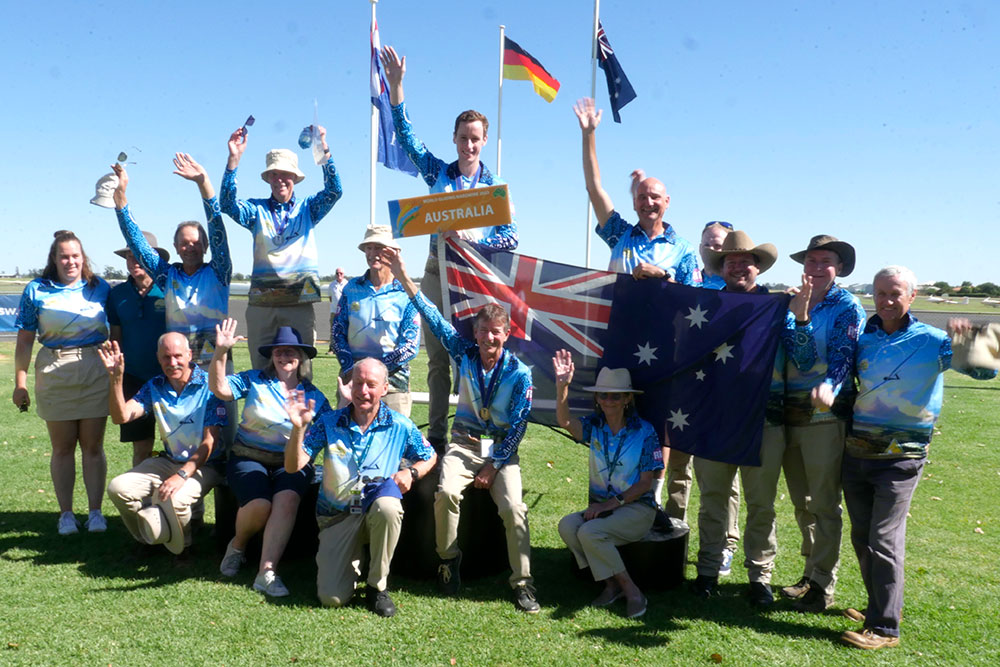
[[373, 255], [174, 355], [491, 336], [369, 383], [651, 202], [823, 266], [893, 298], [613, 404], [286, 360], [740, 271], [69, 262], [189, 245], [282, 183], [469, 140]]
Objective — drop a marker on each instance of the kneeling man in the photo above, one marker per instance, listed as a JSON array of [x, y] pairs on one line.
[[372, 456], [155, 497]]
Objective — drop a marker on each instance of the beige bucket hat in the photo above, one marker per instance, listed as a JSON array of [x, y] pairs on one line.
[[614, 380], [380, 234], [282, 159]]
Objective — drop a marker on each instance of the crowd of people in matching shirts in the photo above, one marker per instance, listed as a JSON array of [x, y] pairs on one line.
[[851, 410]]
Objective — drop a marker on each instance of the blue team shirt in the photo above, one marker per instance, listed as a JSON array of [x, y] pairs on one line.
[[900, 389], [630, 246], [143, 319], [64, 315], [264, 423], [511, 403], [712, 281], [350, 455], [285, 260], [379, 323], [617, 460], [443, 177], [195, 303], [182, 418]]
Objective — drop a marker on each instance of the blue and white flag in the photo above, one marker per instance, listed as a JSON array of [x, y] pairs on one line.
[[619, 88], [390, 153]]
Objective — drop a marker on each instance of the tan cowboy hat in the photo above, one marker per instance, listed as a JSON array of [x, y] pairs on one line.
[[282, 159], [826, 242], [740, 241], [151, 240], [380, 234], [158, 524], [614, 380]]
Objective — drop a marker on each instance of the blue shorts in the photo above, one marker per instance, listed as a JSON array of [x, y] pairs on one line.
[[251, 479]]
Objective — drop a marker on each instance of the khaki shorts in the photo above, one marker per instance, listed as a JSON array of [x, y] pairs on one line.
[[70, 384]]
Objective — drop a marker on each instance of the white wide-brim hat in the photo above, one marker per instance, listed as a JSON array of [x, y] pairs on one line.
[[158, 524], [614, 380], [380, 234], [282, 159], [104, 191]]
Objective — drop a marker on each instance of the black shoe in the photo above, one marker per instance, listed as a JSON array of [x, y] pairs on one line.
[[380, 603], [796, 590], [449, 579], [704, 586], [815, 601], [760, 594], [524, 599]]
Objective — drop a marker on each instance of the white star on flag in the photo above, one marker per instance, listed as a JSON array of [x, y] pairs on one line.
[[646, 354], [723, 352], [697, 316], [678, 419], [700, 375]]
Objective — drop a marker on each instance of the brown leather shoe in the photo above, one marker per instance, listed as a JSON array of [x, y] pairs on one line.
[[868, 639], [854, 615], [796, 590]]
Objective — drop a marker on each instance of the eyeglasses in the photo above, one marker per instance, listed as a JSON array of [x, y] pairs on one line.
[[610, 396], [727, 225]]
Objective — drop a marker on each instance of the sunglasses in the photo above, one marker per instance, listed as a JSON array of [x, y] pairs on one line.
[[727, 225], [248, 123], [610, 396]]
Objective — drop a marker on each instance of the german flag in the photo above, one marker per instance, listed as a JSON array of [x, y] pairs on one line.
[[520, 65]]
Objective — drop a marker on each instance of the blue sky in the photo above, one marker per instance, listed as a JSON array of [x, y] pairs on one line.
[[876, 122]]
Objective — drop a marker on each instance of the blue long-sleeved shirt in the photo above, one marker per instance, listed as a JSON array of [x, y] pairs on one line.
[[511, 403], [285, 260], [380, 323], [443, 177], [630, 246]]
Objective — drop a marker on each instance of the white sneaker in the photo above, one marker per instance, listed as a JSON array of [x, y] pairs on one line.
[[268, 583], [231, 562], [96, 523], [727, 563], [68, 525]]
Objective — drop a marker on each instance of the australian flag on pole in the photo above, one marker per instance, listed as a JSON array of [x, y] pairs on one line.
[[704, 358], [390, 153], [619, 88]]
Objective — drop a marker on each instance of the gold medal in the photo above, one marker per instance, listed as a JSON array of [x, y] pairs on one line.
[[484, 414]]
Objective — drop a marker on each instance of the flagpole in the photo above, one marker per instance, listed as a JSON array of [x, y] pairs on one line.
[[593, 95], [500, 99], [374, 141]]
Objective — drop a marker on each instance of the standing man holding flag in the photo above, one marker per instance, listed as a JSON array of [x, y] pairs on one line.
[[469, 137]]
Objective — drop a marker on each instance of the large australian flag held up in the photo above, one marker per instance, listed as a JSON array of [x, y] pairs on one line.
[[704, 358]]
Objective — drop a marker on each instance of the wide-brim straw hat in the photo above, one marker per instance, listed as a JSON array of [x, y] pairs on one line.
[[159, 524], [740, 241], [614, 380], [380, 234], [282, 159], [287, 337], [104, 191], [151, 240], [843, 249]]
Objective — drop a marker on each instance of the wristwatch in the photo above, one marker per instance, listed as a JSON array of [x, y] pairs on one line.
[[620, 498], [414, 472], [180, 473]]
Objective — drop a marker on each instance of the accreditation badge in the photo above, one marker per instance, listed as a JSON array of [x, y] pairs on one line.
[[486, 448]]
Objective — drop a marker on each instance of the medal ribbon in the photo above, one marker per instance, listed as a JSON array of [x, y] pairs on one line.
[[487, 393], [613, 463], [280, 220]]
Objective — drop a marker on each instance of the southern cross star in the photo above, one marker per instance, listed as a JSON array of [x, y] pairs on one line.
[[678, 419], [700, 375], [646, 354], [697, 316], [723, 352]]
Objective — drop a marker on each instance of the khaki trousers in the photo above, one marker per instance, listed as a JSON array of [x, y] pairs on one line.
[[458, 468], [812, 462], [438, 360], [594, 543], [760, 484], [263, 323], [133, 490], [338, 559], [678, 487]]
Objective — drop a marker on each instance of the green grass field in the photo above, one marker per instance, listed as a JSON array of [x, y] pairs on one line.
[[87, 599]]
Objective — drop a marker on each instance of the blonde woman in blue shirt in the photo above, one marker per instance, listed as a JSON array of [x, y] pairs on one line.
[[64, 310]]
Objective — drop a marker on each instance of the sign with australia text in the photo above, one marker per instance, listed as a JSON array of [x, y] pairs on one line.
[[443, 211]]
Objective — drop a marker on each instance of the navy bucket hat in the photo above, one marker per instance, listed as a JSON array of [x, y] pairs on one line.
[[287, 337]]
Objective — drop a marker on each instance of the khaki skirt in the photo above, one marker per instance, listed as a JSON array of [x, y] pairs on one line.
[[70, 384]]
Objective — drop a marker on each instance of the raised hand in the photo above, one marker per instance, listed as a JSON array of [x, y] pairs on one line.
[[321, 133], [186, 167], [393, 65], [237, 144], [300, 411], [344, 389], [958, 326], [588, 114], [120, 200], [799, 305], [562, 365], [394, 258], [637, 176], [112, 358], [225, 334]]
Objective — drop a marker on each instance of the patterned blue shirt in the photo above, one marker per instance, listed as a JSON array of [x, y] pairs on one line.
[[380, 323], [834, 326], [285, 260], [630, 247], [900, 389], [712, 281], [197, 302], [618, 460], [64, 315], [350, 455], [182, 418], [511, 403], [264, 423], [443, 177]]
